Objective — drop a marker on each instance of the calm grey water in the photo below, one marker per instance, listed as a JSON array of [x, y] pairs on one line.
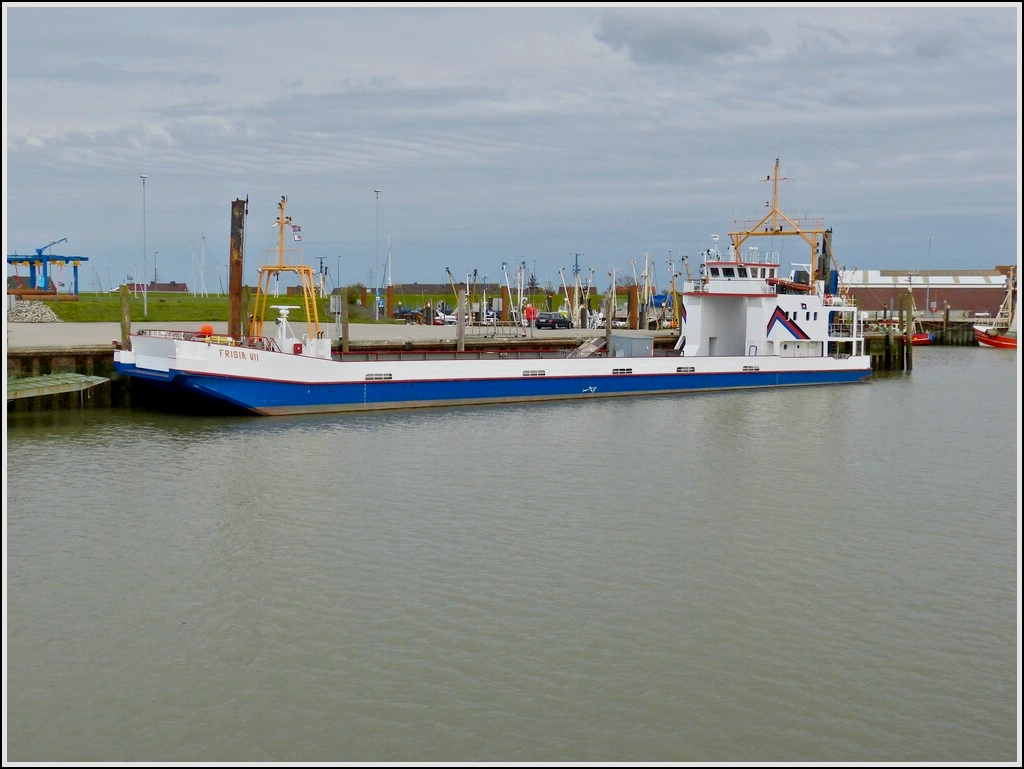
[[821, 574]]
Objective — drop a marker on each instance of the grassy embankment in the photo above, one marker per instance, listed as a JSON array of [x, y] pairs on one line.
[[163, 308]]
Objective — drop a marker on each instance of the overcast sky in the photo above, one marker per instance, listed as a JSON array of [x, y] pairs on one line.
[[507, 134]]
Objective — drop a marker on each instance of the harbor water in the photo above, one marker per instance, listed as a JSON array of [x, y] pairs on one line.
[[810, 574]]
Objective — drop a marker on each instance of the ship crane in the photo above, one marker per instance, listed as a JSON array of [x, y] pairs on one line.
[[455, 290], [686, 266]]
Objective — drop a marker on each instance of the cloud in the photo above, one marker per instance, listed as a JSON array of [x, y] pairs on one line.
[[95, 72], [660, 39], [497, 132]]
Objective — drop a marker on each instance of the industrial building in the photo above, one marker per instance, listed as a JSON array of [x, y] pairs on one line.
[[964, 293]]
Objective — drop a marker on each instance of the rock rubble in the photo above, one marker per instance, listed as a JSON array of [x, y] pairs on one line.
[[31, 312]]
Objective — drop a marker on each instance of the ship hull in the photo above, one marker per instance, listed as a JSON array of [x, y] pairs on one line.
[[272, 383], [998, 340]]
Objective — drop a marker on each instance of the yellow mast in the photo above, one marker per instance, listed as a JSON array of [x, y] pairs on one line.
[[686, 265], [455, 290], [268, 271], [778, 224]]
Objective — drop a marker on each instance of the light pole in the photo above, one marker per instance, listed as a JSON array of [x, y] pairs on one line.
[[143, 177], [928, 283], [338, 302], [376, 242]]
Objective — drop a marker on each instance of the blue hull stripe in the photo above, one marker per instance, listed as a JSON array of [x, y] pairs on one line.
[[267, 397]]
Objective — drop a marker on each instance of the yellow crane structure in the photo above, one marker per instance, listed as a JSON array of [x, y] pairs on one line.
[[455, 289], [776, 224], [686, 266], [272, 271]]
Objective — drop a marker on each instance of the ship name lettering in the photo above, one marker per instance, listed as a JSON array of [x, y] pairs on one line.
[[241, 354]]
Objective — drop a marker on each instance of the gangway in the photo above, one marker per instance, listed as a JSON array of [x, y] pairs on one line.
[[588, 349], [50, 384]]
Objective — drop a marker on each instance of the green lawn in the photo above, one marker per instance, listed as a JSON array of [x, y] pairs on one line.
[[106, 308], [160, 308], [92, 308]]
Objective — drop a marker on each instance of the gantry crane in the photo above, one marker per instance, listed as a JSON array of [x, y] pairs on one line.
[[42, 261]]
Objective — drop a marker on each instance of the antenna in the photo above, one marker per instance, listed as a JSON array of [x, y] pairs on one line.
[[202, 264], [199, 270], [322, 278]]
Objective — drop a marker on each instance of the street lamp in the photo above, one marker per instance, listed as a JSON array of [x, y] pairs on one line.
[[376, 241], [928, 284], [143, 177]]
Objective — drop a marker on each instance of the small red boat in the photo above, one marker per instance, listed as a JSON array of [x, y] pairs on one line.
[[988, 336], [1001, 332]]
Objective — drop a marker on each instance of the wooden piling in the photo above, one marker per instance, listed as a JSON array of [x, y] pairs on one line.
[[126, 317], [344, 320], [908, 330], [235, 272], [460, 319]]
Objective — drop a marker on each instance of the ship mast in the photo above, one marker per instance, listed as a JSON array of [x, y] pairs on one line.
[[272, 271], [776, 224]]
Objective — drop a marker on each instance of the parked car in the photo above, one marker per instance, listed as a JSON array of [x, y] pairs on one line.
[[552, 320]]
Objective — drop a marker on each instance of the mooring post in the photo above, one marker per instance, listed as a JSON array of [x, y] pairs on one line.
[[908, 301], [245, 301], [126, 317], [344, 320], [609, 318], [460, 319], [235, 256]]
